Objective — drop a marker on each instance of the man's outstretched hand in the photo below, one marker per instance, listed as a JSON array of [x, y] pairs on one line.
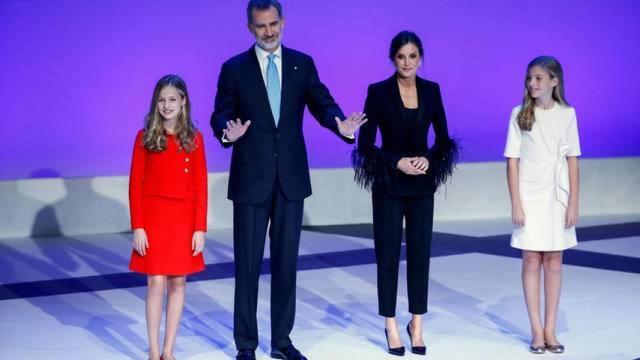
[[350, 125]]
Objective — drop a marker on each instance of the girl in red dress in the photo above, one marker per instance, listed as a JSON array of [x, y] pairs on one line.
[[168, 203]]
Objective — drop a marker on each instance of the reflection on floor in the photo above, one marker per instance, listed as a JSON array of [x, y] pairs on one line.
[[73, 297]]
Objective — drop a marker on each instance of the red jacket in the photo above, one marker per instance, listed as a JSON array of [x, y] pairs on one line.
[[172, 173]]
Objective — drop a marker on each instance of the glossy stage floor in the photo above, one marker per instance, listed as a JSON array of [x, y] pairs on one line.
[[73, 297]]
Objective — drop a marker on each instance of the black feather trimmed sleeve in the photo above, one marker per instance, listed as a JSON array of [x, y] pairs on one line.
[[372, 165], [445, 153]]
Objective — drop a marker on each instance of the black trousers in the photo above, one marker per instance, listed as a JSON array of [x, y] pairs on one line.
[[388, 213], [250, 223]]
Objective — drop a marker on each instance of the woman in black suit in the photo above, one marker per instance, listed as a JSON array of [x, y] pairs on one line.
[[403, 174]]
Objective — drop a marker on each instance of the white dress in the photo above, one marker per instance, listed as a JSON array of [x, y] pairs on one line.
[[544, 177]]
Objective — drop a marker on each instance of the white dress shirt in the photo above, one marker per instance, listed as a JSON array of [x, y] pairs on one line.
[[263, 60]]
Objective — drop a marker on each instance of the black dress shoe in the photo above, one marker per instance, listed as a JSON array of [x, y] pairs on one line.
[[287, 353], [246, 354], [399, 351], [418, 350]]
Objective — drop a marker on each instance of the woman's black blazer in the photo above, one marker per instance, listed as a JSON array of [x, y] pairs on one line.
[[376, 167]]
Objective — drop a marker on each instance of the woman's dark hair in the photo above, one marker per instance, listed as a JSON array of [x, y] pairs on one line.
[[403, 38]]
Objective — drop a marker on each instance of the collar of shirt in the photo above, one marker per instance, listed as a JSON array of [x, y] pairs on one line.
[[263, 60]]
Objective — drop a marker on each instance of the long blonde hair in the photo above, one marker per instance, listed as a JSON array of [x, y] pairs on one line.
[[155, 137], [551, 65]]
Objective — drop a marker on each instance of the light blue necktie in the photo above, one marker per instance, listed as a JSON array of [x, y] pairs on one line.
[[273, 88]]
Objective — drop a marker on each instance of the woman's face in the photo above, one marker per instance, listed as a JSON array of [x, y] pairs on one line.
[[407, 60], [170, 103], [540, 83]]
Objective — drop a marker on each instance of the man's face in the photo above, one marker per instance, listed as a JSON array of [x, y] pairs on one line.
[[267, 27]]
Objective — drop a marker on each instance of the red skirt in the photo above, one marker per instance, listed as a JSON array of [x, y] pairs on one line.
[[169, 224]]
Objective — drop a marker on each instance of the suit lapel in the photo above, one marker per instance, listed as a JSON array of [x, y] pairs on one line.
[[422, 102], [253, 76]]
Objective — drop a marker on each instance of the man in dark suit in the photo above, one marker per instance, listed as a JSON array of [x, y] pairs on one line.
[[265, 90]]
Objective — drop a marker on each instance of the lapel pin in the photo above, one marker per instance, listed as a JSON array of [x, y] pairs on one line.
[[295, 68]]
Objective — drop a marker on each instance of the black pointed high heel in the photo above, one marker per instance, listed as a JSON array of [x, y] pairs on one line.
[[399, 351], [418, 350]]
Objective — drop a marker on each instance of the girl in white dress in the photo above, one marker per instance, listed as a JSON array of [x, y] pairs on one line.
[[542, 173]]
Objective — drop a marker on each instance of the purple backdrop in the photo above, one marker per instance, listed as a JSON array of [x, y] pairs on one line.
[[79, 74]]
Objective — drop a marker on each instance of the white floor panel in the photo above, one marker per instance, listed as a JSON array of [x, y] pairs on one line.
[[476, 311], [629, 246]]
